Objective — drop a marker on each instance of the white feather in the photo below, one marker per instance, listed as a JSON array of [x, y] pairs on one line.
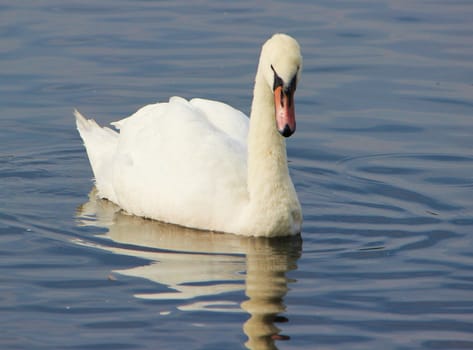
[[186, 162]]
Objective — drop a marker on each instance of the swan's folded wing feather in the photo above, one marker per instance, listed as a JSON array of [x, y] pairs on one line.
[[225, 118], [174, 164]]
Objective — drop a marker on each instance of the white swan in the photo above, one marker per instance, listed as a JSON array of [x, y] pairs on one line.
[[203, 164]]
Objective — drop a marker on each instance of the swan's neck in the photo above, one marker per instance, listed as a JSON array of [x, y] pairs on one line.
[[268, 174], [267, 160]]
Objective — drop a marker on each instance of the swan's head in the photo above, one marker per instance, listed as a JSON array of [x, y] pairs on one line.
[[281, 65]]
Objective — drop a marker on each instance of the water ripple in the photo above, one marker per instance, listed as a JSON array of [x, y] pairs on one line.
[[381, 161]]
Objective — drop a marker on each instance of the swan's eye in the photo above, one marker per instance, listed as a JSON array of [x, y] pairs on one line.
[[279, 82], [277, 79], [293, 84]]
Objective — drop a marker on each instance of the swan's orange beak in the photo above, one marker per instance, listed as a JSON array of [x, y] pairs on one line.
[[285, 115]]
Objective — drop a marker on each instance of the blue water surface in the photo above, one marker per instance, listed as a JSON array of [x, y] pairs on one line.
[[382, 160]]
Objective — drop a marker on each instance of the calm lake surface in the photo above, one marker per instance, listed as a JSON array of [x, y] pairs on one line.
[[382, 161]]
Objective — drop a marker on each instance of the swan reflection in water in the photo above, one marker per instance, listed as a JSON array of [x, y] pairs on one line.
[[193, 264]]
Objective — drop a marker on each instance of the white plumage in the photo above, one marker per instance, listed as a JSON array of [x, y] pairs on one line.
[[201, 163]]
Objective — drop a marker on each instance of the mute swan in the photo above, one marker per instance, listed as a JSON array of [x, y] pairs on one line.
[[204, 164]]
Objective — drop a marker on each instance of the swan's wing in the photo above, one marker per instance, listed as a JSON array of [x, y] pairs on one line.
[[224, 117], [182, 161], [151, 108]]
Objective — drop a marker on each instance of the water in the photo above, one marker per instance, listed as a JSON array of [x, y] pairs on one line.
[[382, 161]]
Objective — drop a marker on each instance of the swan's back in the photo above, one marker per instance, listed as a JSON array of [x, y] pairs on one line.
[[181, 161]]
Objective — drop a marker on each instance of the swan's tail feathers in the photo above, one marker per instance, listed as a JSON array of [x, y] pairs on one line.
[[101, 144], [85, 125]]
